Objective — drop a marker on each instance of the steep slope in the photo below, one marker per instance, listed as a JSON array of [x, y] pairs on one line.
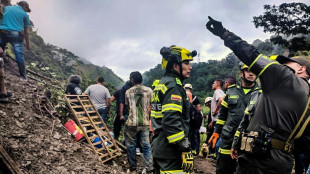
[[36, 140], [61, 63]]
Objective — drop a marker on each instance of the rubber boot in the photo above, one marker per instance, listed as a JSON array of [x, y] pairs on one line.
[[22, 70]]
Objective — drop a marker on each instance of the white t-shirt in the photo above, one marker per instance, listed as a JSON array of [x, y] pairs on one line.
[[217, 94]]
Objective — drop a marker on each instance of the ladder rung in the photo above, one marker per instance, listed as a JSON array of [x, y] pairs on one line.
[[83, 118], [74, 107], [79, 113], [85, 100], [73, 100], [88, 106], [85, 125], [103, 133], [102, 155], [94, 117], [91, 130], [98, 122], [90, 112], [96, 143]]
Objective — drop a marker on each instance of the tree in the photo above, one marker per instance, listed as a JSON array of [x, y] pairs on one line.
[[290, 20]]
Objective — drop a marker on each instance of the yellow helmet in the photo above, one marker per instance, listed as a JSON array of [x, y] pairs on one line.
[[175, 54], [243, 66], [155, 83]]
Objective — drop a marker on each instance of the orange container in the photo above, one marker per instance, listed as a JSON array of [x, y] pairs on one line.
[[74, 130]]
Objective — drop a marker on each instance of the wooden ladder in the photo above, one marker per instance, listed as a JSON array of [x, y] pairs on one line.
[[95, 130]]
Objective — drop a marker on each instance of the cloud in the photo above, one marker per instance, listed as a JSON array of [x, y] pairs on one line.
[[127, 35]]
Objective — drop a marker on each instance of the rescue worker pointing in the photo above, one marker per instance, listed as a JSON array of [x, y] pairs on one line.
[[170, 113], [282, 112]]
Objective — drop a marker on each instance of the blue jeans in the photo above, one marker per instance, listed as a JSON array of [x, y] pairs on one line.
[[131, 135], [13, 38], [103, 113]]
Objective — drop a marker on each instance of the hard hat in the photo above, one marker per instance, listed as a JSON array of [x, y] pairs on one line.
[[188, 85], [155, 83], [208, 99], [175, 54], [243, 66]]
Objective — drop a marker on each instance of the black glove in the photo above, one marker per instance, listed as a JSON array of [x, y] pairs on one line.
[[215, 27], [184, 145]]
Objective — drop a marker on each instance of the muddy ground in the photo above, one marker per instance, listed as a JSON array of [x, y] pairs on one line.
[[38, 142]]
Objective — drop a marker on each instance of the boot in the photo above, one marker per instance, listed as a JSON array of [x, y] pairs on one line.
[[22, 70]]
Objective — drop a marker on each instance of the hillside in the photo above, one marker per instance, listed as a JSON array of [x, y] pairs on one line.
[[60, 63]]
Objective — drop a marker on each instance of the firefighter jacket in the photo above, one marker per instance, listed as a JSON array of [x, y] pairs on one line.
[[170, 117], [248, 114], [231, 113], [281, 104]]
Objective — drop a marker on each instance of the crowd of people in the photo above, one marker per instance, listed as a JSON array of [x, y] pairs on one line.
[[251, 127]]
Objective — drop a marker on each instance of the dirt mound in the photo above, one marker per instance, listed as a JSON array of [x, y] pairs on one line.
[[36, 141]]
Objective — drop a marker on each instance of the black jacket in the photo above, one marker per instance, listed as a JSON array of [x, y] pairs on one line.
[[282, 102]]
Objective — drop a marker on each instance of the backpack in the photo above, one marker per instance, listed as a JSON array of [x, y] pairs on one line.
[[195, 117]]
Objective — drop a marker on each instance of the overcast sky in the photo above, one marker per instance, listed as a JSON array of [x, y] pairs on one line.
[[126, 35]]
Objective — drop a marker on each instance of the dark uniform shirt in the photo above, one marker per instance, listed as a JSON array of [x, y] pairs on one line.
[[282, 102], [248, 114], [117, 97], [231, 114], [73, 89], [170, 117]]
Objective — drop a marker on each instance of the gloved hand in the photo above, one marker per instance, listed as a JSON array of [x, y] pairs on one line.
[[187, 161], [215, 136], [215, 27]]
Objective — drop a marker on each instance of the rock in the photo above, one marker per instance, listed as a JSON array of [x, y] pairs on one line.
[[57, 135]]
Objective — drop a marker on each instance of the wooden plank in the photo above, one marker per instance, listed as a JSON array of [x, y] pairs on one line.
[[8, 161]]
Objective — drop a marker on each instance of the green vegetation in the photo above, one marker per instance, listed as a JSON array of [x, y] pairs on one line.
[[290, 22]]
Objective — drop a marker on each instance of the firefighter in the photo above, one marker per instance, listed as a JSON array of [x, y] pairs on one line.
[[170, 113], [281, 115], [231, 113]]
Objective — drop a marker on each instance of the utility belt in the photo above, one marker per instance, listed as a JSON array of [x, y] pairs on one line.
[[260, 143]]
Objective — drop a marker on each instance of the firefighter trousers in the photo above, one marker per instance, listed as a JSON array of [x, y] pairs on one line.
[[225, 164], [166, 166]]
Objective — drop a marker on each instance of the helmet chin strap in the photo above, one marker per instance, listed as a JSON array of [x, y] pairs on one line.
[[181, 72], [180, 75], [246, 80]]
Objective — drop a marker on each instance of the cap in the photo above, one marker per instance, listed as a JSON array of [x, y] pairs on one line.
[[188, 85], [24, 3], [301, 60], [208, 99]]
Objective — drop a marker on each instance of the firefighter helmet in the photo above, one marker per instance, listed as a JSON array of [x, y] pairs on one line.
[[175, 54], [243, 66]]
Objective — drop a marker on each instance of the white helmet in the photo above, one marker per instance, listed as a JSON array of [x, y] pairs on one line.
[[208, 99], [188, 85]]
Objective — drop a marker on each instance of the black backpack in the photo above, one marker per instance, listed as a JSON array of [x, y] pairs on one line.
[[195, 117]]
